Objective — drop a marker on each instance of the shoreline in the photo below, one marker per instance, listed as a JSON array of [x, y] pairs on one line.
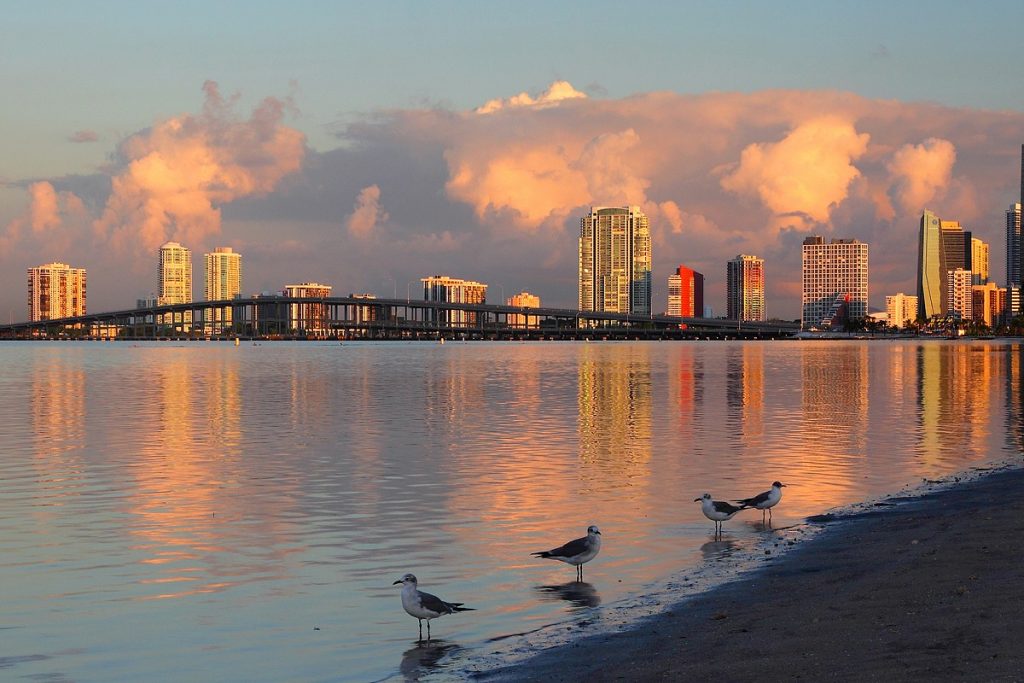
[[911, 586]]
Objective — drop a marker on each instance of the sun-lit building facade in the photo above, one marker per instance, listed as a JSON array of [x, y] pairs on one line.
[[615, 260], [445, 289], [523, 300], [979, 261], [55, 290], [174, 275], [988, 305], [310, 319], [901, 309], [223, 282], [835, 281], [941, 248], [744, 288], [686, 293], [960, 302]]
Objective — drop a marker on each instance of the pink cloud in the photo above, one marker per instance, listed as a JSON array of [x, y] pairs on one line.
[[557, 92], [807, 172], [367, 213], [179, 173], [920, 173]]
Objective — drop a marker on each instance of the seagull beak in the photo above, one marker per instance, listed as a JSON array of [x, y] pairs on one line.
[[696, 500], [397, 582]]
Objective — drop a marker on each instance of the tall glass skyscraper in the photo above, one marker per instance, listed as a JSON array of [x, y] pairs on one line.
[[223, 281], [1013, 253], [615, 260], [941, 247]]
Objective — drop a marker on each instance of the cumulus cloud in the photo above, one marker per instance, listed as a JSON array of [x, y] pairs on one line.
[[807, 172], [367, 213], [556, 92], [175, 176], [919, 173]]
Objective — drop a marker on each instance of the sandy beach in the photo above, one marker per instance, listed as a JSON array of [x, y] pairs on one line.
[[912, 589]]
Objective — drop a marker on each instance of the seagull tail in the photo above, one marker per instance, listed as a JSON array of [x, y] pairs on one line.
[[543, 553], [454, 607]]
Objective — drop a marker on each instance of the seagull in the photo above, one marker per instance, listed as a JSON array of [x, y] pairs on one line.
[[577, 551], [716, 510], [424, 605], [765, 501]]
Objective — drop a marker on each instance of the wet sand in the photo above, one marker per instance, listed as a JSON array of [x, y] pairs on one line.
[[928, 588]]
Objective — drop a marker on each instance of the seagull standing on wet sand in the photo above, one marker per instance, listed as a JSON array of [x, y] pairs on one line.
[[576, 552], [716, 510], [424, 605], [764, 501]]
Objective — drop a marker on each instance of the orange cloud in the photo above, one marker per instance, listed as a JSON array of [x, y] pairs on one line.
[[919, 173], [178, 173], [557, 92], [367, 213], [807, 172]]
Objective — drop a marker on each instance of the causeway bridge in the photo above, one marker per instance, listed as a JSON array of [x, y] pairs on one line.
[[354, 317]]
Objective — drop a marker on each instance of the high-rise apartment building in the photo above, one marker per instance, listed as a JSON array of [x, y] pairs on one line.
[[686, 293], [959, 293], [55, 290], [174, 275], [223, 281], [615, 260], [523, 300], [901, 308], [979, 261], [989, 304], [835, 282], [310, 319], [1013, 244], [744, 288], [941, 248], [444, 289]]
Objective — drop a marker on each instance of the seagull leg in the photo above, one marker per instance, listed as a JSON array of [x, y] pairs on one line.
[[428, 630], [420, 621]]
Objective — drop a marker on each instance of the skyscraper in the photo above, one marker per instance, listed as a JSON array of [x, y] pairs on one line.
[[615, 260], [941, 248], [686, 293], [959, 294], [223, 281], [744, 288], [835, 281], [1013, 243], [55, 290], [174, 275], [979, 261]]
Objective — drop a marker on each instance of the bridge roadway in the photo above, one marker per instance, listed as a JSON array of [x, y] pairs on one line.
[[281, 317]]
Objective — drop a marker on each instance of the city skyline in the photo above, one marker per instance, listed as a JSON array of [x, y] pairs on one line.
[[373, 181]]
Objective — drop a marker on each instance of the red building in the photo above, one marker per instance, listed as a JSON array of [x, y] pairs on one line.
[[686, 293]]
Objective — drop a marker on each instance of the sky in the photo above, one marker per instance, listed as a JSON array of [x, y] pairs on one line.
[[367, 145]]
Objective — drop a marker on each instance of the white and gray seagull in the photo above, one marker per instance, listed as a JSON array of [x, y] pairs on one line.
[[576, 552], [716, 510], [764, 501], [424, 605]]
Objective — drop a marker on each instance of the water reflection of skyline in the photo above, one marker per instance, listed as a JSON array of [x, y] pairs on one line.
[[292, 480]]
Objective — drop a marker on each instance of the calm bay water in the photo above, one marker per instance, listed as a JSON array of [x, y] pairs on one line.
[[206, 512]]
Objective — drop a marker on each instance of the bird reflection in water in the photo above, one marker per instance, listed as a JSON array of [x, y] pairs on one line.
[[424, 659], [716, 550], [577, 593]]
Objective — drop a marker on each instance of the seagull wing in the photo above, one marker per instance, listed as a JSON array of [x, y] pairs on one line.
[[722, 506], [570, 549], [756, 500], [436, 604]]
